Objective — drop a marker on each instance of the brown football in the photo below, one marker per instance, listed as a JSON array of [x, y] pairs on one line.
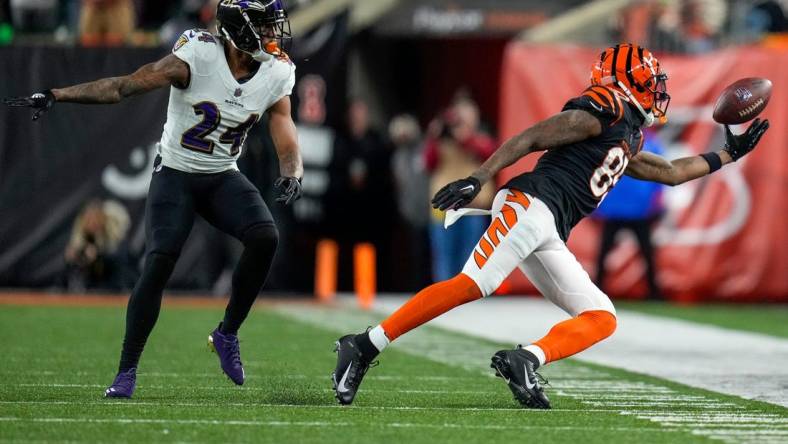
[[742, 100]]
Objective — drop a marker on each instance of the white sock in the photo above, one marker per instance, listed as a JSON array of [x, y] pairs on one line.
[[378, 338], [538, 352]]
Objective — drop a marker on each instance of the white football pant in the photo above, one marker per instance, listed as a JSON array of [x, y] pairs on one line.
[[523, 234]]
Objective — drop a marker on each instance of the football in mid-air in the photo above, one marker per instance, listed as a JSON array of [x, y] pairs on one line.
[[742, 100]]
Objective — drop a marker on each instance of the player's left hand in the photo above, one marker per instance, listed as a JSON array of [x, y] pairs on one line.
[[41, 102], [738, 146], [457, 194], [289, 189]]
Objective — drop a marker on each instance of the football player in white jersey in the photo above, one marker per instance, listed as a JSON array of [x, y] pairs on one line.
[[220, 86]]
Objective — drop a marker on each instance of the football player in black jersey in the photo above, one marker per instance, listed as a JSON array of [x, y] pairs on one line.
[[590, 144]]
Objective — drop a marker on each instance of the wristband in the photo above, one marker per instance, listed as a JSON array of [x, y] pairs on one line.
[[714, 161]]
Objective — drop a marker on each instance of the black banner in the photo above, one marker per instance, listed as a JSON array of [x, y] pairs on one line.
[[49, 169]]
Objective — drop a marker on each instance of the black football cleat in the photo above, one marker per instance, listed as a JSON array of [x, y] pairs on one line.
[[518, 372], [350, 370]]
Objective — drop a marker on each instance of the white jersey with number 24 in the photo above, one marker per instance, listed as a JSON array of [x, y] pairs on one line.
[[208, 120]]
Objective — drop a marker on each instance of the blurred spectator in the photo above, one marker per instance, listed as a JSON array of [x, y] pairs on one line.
[[701, 24], [95, 255], [361, 204], [34, 15], [193, 14], [412, 185], [455, 147], [632, 205], [681, 26], [410, 172], [106, 22], [69, 21], [766, 17]]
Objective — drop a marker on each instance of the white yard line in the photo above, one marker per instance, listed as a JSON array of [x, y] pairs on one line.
[[262, 389], [749, 365], [132, 403], [595, 389], [253, 423]]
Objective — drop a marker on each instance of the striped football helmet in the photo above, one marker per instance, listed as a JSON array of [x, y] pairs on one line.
[[634, 71]]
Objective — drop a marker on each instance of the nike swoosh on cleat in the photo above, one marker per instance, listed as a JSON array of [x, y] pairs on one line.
[[341, 387], [500, 373], [528, 384], [469, 187]]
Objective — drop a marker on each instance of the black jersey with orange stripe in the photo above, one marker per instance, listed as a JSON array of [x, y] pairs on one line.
[[572, 180]]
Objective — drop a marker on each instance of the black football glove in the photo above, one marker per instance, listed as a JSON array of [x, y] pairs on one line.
[[40, 101], [738, 146], [289, 190], [457, 194]]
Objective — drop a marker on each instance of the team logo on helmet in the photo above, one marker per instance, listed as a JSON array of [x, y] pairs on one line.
[[636, 72]]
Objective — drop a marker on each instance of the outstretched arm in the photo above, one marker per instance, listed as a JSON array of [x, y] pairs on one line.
[[561, 129], [554, 132], [291, 167], [170, 70], [649, 166]]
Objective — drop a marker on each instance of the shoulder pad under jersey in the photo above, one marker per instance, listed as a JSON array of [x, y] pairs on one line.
[[602, 102], [198, 48]]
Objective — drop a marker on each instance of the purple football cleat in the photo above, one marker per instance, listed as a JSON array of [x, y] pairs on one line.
[[123, 385], [228, 349]]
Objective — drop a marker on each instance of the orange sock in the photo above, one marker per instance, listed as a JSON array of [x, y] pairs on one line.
[[577, 334], [430, 303]]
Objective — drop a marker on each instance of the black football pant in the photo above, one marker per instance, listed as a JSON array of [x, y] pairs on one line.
[[229, 202], [642, 230]]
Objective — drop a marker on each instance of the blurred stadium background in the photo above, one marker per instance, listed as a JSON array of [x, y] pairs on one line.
[[393, 99]]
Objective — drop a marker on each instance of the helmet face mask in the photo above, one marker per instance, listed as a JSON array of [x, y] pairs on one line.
[[259, 28], [660, 92], [636, 72]]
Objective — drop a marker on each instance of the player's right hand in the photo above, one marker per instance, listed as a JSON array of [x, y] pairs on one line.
[[457, 194], [40, 101], [738, 146]]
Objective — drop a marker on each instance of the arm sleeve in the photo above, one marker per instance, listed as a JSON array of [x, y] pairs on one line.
[[601, 103]]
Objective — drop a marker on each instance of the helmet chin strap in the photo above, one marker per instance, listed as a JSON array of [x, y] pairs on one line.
[[648, 117], [259, 55]]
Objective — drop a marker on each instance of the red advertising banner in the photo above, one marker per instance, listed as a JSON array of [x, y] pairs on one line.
[[723, 237]]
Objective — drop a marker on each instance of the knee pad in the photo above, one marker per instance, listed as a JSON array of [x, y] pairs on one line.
[[166, 241], [261, 237], [604, 320], [159, 262], [157, 270]]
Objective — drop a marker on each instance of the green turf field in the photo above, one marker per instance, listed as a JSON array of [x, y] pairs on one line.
[[433, 386]]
